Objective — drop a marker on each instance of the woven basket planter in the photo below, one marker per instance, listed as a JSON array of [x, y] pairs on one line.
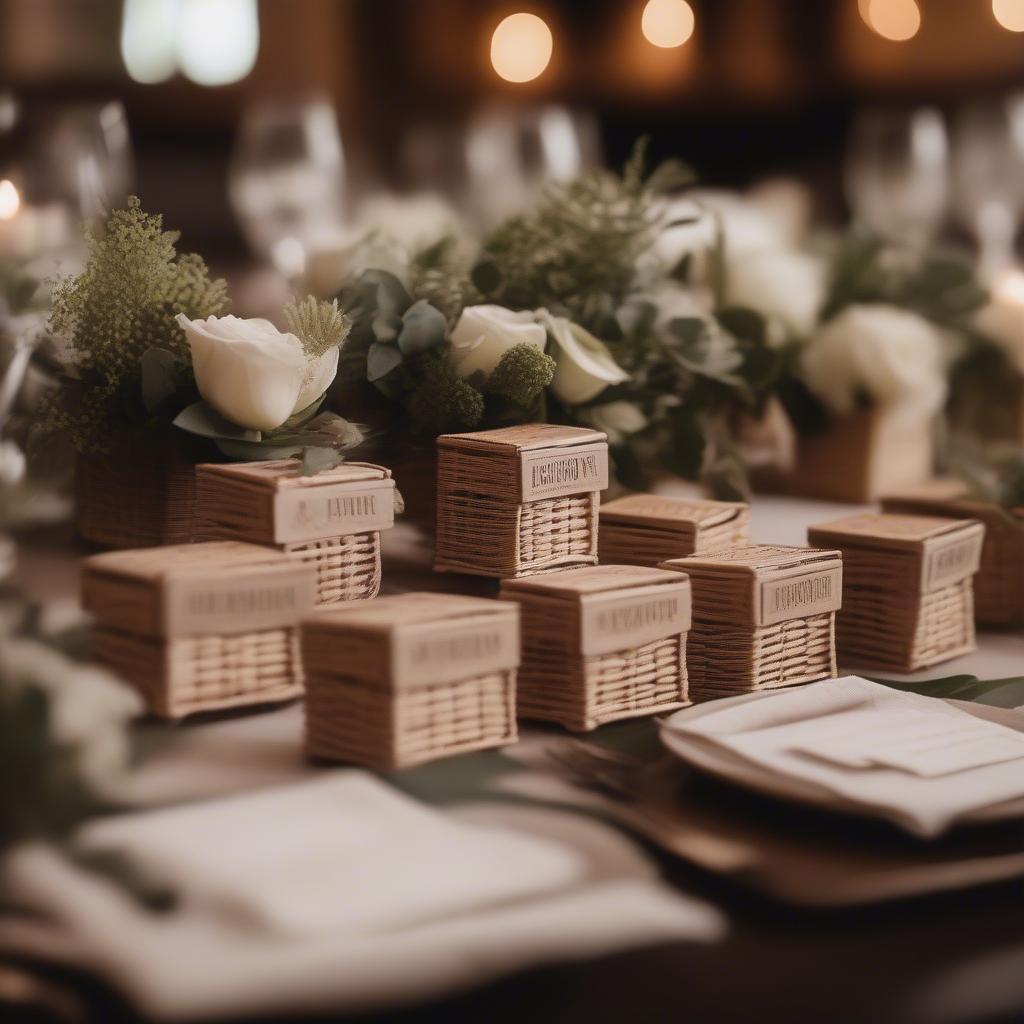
[[646, 529], [601, 644], [907, 593], [407, 679], [140, 493], [520, 500], [998, 592], [763, 618], [330, 521], [200, 627], [858, 458]]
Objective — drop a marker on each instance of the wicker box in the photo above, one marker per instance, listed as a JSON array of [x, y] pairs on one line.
[[907, 594], [998, 590], [331, 520], [601, 643], [197, 627], [763, 617], [646, 529], [402, 680], [858, 457], [141, 491], [520, 500]]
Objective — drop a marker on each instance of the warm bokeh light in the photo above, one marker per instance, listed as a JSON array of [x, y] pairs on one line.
[[897, 20], [521, 47], [1009, 14], [667, 23], [149, 39], [1010, 287], [10, 201], [218, 40]]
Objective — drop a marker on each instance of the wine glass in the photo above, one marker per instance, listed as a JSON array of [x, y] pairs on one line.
[[988, 164], [287, 179], [896, 172], [510, 153]]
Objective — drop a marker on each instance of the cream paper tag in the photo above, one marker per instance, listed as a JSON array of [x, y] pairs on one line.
[[429, 653], [949, 559], [616, 620], [797, 597], [207, 604], [556, 472], [333, 510]]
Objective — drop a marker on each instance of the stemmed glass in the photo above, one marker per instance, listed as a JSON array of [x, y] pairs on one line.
[[896, 173], [287, 179], [988, 168]]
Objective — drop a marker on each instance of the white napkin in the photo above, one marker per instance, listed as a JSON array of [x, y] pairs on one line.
[[852, 745], [340, 894]]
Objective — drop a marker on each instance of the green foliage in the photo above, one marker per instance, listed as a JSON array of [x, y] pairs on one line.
[[522, 373], [122, 305], [577, 252], [998, 477], [319, 325], [440, 274], [439, 401]]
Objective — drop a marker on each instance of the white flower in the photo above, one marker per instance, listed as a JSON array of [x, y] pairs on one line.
[[675, 301], [616, 419], [253, 374], [484, 334], [784, 285], [584, 366], [12, 463], [891, 355]]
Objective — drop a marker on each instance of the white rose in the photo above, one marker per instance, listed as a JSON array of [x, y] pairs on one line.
[[618, 420], [783, 285], [253, 374], [484, 334], [889, 353], [584, 366]]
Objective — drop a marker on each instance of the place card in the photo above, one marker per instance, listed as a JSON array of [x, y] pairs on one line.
[[601, 643], [519, 500], [908, 591], [410, 678]]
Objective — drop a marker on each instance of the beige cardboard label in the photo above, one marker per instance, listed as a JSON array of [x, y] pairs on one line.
[[796, 597], [313, 513], [426, 653], [617, 620], [948, 560], [556, 472], [204, 605]]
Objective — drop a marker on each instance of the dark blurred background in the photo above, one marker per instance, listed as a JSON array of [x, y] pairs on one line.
[[758, 88]]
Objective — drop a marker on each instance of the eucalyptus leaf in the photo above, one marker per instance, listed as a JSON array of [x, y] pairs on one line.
[[316, 460], [998, 693], [698, 346], [202, 419], [423, 327], [381, 360], [159, 371]]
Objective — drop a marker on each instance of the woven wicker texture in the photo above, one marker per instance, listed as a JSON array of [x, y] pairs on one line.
[[602, 688], [186, 675], [139, 494], [644, 529], [998, 591], [886, 623], [724, 660], [359, 723], [347, 568]]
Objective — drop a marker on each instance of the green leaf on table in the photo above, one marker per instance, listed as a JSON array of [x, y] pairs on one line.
[[159, 370], [202, 419], [997, 693]]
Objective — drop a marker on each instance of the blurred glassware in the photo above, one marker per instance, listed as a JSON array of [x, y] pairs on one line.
[[988, 165], [286, 180], [504, 157], [896, 172], [85, 160]]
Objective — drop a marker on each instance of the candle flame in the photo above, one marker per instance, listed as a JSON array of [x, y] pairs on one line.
[[10, 201]]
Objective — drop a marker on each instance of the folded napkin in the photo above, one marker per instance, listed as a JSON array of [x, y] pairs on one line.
[[855, 746], [340, 894]]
